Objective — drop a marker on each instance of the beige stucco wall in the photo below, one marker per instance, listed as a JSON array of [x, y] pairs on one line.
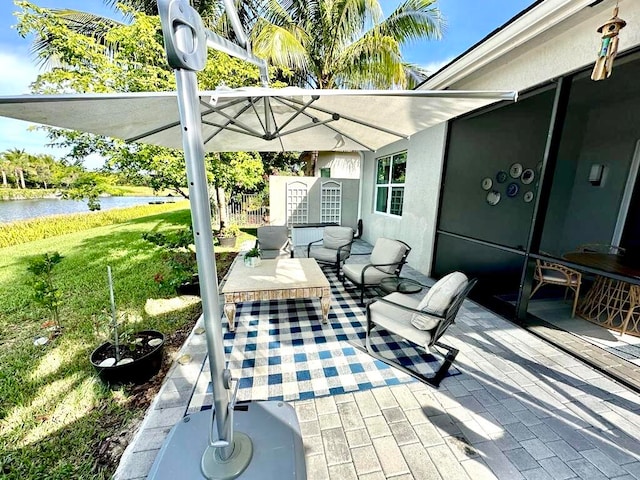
[[342, 164], [422, 187], [278, 198], [558, 51]]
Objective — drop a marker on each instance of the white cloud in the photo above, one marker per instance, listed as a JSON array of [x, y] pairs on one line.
[[433, 67], [17, 74]]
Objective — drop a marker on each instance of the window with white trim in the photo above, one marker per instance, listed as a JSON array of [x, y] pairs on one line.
[[297, 205], [331, 202], [390, 178]]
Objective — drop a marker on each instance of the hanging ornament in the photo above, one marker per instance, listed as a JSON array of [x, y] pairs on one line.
[[609, 46]]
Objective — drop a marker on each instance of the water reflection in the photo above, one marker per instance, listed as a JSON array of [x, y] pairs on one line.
[[12, 210]]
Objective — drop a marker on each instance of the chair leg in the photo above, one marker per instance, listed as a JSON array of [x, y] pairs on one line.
[[434, 380], [575, 301]]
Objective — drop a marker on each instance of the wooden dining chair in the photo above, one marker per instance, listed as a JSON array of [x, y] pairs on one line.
[[549, 273]]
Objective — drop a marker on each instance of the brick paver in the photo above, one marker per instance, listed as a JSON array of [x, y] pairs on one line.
[[519, 409]]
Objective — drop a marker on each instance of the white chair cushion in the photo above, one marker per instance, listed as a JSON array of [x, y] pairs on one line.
[[327, 255], [372, 275], [397, 320], [438, 299], [553, 276], [387, 251], [335, 237], [272, 237]]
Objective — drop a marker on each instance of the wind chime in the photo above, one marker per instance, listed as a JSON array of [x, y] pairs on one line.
[[609, 46]]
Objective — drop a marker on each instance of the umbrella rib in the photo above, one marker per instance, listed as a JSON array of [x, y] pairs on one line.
[[332, 128], [231, 129], [297, 110], [307, 126], [234, 119], [226, 125], [152, 132], [351, 119]]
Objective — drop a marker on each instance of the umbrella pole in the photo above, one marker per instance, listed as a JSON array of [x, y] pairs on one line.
[[225, 455]]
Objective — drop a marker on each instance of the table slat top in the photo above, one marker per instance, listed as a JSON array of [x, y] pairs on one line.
[[278, 274]]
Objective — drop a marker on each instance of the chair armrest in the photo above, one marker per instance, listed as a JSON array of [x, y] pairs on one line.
[[408, 309], [311, 243]]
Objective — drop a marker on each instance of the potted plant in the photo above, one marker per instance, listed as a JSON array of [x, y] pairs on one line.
[[227, 235], [46, 293], [253, 257], [128, 356]]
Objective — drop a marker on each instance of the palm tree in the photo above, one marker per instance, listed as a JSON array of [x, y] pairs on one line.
[[344, 43]]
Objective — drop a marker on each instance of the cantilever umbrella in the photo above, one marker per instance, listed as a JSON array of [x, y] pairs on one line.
[[256, 119], [249, 119]]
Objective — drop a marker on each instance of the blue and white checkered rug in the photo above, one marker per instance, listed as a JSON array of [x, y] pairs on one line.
[[281, 350]]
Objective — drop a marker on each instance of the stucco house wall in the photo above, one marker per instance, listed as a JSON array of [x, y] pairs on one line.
[[278, 198], [551, 51], [342, 164]]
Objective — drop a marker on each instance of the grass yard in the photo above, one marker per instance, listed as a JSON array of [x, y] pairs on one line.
[[54, 412]]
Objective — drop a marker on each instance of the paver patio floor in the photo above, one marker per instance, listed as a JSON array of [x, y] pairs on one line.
[[519, 409]]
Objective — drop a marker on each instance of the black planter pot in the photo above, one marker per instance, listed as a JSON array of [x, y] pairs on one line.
[[139, 371], [227, 242], [189, 288]]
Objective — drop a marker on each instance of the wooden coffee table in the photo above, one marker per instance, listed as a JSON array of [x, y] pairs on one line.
[[277, 279]]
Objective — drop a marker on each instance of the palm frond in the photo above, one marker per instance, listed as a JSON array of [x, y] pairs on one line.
[[284, 47], [413, 20]]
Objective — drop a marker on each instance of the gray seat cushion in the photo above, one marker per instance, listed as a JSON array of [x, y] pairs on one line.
[[336, 237], [326, 255], [398, 320], [438, 299], [273, 237], [353, 272], [388, 251]]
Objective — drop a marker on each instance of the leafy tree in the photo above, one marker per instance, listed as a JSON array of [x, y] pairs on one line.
[[138, 64]]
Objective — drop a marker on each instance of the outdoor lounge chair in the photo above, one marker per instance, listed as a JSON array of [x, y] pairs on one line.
[[335, 248], [420, 322], [387, 258], [274, 242]]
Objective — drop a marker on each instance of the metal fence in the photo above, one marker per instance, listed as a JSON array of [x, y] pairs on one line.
[[246, 209]]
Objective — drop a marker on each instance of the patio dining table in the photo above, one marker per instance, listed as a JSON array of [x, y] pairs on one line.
[[610, 302]]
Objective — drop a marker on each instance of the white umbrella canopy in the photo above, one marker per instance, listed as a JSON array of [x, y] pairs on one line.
[[256, 119]]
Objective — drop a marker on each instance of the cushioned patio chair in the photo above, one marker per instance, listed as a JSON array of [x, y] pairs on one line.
[[274, 242], [420, 322], [387, 258], [549, 273], [335, 248]]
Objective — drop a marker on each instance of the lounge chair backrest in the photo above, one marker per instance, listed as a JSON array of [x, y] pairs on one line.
[[336, 237], [273, 237], [388, 251], [438, 299]]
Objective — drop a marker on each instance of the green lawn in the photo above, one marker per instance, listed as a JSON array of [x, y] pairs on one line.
[[53, 409]]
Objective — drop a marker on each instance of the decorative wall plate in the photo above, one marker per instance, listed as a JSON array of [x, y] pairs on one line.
[[493, 197], [515, 170], [527, 176], [502, 176], [487, 183], [513, 189], [528, 196]]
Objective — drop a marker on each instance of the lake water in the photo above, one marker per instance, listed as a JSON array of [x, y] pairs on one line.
[[12, 210]]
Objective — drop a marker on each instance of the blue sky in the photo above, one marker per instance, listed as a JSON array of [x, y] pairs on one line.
[[467, 22]]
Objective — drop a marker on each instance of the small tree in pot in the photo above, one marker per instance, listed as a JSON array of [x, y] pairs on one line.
[[228, 235], [127, 357]]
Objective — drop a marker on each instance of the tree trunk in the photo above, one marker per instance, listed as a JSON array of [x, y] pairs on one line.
[[222, 206], [310, 167], [4, 178]]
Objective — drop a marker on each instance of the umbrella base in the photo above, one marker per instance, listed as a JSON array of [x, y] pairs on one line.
[[271, 427]]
